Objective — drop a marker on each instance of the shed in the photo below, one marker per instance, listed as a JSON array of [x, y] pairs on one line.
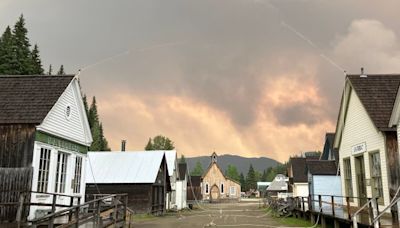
[[323, 180], [278, 187], [181, 187], [172, 165], [142, 175]]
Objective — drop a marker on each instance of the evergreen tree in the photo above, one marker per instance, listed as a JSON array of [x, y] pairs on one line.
[[50, 70], [61, 70], [149, 145], [24, 65], [198, 170], [242, 182], [182, 159], [99, 141], [85, 104], [36, 67], [7, 54], [251, 179], [232, 172], [264, 175]]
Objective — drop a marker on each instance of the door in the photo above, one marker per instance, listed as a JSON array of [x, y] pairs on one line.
[[360, 175], [214, 193]]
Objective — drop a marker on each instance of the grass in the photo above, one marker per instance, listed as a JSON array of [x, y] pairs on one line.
[[289, 221], [142, 217]]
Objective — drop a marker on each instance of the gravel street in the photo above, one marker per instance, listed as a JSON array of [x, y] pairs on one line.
[[243, 214]]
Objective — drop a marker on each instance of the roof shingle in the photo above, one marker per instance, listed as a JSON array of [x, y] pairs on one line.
[[28, 99], [377, 94]]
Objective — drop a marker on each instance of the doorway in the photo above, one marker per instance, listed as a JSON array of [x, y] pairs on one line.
[[360, 178], [214, 193]]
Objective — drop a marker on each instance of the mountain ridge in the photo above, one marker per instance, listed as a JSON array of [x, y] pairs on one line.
[[242, 163]]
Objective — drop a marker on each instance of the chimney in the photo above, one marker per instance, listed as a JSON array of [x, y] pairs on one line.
[[362, 75], [123, 145]]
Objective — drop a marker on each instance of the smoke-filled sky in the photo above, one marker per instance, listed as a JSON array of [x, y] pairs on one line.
[[245, 77]]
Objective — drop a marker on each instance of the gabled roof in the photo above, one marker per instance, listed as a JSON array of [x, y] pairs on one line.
[[377, 94], [322, 167], [27, 99], [170, 155], [328, 146], [278, 184], [299, 169], [123, 167]]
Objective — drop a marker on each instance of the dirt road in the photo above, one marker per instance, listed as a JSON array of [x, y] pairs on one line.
[[244, 214]]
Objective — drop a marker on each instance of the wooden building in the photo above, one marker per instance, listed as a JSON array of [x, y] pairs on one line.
[[142, 175], [216, 186], [366, 138], [194, 188], [279, 187], [43, 127], [172, 165], [297, 173], [181, 187]]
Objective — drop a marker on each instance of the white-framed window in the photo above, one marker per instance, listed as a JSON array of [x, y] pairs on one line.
[[61, 174], [44, 166], [222, 188], [232, 190], [206, 188], [77, 175]]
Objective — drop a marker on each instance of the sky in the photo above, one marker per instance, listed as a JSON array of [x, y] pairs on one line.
[[245, 77]]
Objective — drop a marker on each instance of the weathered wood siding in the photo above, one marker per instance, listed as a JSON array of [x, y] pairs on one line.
[[139, 195], [16, 145], [393, 167], [13, 182]]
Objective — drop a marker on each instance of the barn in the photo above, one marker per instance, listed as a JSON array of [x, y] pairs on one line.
[[44, 138], [142, 175]]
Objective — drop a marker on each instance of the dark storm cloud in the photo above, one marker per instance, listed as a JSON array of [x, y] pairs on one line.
[[221, 53]]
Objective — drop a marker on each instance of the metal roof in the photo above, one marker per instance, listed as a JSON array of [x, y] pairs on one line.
[[123, 167], [170, 156]]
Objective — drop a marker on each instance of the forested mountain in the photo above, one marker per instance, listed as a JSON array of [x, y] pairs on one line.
[[241, 163]]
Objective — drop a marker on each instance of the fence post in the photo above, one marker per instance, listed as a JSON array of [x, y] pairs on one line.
[[375, 212], [302, 203], [20, 209], [333, 205], [310, 203], [355, 223], [53, 209], [76, 217], [71, 203], [348, 206], [320, 203], [126, 209]]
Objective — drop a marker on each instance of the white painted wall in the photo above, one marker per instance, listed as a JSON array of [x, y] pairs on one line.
[[358, 128], [75, 128], [42, 198], [300, 189], [181, 194]]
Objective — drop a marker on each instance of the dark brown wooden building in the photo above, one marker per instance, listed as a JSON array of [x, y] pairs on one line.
[[142, 175]]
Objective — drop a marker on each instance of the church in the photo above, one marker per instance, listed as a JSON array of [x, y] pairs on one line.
[[216, 187]]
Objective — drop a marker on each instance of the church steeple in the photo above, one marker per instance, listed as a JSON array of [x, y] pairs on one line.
[[214, 157]]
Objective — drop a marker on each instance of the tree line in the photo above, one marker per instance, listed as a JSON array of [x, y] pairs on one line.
[[18, 58], [16, 55], [252, 177]]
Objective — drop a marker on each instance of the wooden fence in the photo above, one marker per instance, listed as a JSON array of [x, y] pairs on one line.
[[14, 182]]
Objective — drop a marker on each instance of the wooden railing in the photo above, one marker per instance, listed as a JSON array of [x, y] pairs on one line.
[[109, 210], [339, 207]]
